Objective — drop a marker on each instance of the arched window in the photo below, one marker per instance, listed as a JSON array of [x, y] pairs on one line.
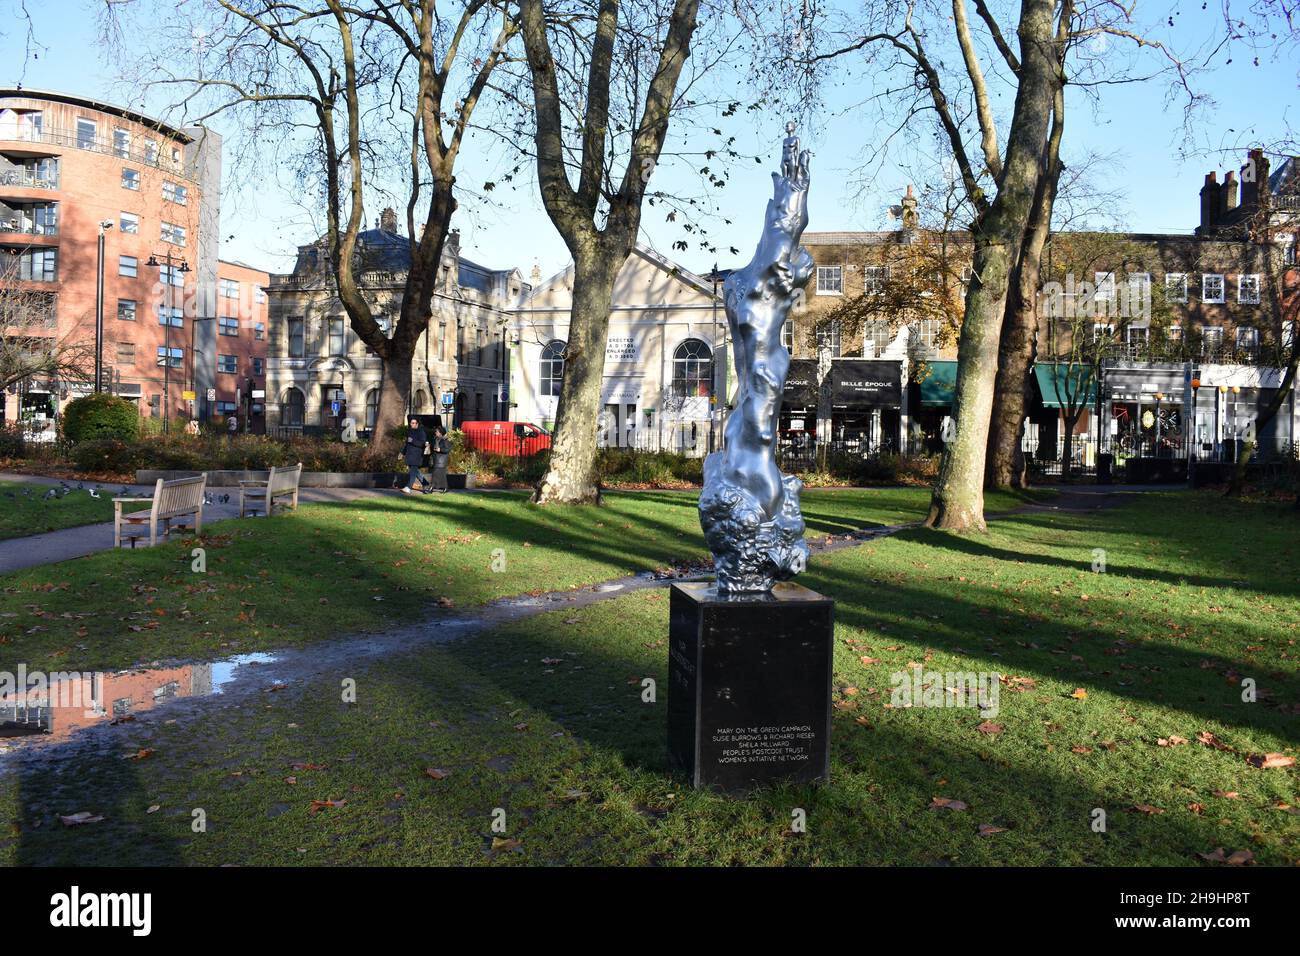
[[421, 404], [551, 372], [692, 370], [292, 407], [372, 408]]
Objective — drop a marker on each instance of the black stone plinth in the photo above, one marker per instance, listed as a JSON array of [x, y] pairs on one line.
[[749, 677]]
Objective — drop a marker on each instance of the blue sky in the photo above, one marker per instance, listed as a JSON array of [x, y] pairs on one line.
[[1134, 123]]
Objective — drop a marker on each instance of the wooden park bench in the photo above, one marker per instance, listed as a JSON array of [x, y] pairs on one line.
[[261, 496], [178, 504]]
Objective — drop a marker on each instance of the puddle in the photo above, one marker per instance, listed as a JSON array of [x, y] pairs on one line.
[[51, 708]]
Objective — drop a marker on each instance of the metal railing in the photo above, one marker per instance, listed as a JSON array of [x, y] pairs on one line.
[[16, 177], [19, 227], [75, 140]]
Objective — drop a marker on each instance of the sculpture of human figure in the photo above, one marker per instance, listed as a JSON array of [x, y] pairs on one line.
[[748, 509]]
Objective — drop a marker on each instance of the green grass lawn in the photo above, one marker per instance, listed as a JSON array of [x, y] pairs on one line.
[[544, 721], [330, 570], [24, 510]]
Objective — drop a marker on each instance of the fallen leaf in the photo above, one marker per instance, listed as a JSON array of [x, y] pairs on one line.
[[1080, 694], [307, 766], [318, 805], [142, 754], [1268, 761], [946, 803], [1210, 740], [1080, 750], [505, 843], [1227, 794], [988, 727], [1173, 740], [1196, 807], [437, 773], [1236, 858], [1145, 808], [77, 819], [988, 829]]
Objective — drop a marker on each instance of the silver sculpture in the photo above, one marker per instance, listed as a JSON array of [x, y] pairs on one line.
[[750, 511]]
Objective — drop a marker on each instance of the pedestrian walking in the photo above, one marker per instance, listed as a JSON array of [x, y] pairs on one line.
[[440, 458], [413, 455]]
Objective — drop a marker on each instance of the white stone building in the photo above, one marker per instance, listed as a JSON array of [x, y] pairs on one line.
[[666, 367]]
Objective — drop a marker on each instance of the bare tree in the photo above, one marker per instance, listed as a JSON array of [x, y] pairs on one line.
[[30, 343], [370, 98], [600, 87]]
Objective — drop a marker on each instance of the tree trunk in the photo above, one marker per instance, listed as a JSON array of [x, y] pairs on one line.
[[394, 392], [1018, 347], [572, 477], [958, 500]]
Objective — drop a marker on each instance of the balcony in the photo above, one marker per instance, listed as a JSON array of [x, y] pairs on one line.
[[25, 179], [71, 139]]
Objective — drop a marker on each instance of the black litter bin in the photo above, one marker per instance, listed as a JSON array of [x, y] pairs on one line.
[[1104, 462]]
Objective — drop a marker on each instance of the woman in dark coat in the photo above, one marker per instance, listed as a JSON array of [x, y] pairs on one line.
[[413, 455], [441, 456]]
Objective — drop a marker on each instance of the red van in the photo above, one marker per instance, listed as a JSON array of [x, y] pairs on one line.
[[517, 439]]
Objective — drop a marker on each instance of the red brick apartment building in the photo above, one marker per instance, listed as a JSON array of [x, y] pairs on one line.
[[72, 167]]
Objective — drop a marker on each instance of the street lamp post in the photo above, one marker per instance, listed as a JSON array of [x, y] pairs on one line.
[[104, 226], [1191, 434], [183, 268]]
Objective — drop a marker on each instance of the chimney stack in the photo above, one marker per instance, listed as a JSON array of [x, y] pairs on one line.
[[1209, 201], [1229, 191]]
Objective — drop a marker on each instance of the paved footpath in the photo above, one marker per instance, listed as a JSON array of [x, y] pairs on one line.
[[38, 549]]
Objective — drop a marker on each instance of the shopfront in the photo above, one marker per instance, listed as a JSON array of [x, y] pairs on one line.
[[866, 399], [931, 398], [798, 424], [1062, 390]]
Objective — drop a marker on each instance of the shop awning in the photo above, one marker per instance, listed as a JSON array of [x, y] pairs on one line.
[[1066, 386], [866, 383], [939, 385], [801, 384]]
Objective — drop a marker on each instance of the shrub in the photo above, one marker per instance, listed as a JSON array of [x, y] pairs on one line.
[[109, 455], [100, 416], [12, 442]]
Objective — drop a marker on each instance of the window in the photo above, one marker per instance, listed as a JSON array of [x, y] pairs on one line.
[[292, 406], [876, 337], [692, 370], [336, 345], [129, 223], [226, 408], [1247, 338], [1139, 293], [228, 288], [1175, 332], [259, 295], [830, 280], [171, 315], [828, 337], [1211, 287], [372, 408], [173, 233], [295, 339], [125, 353], [258, 366], [1105, 284], [925, 336], [227, 364], [874, 279], [259, 330], [1248, 289], [175, 192], [1102, 331], [227, 325], [86, 134], [169, 357], [1176, 287], [787, 336], [126, 309], [172, 276], [131, 179], [121, 143], [551, 372], [39, 265], [151, 151], [1211, 339]]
